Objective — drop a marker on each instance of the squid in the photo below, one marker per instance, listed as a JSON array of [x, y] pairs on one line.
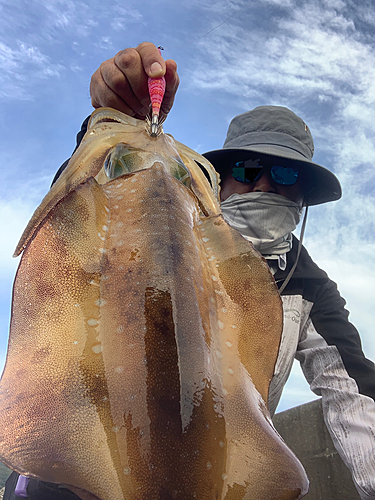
[[144, 333]]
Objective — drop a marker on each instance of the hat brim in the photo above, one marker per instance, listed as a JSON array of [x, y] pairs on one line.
[[321, 185]]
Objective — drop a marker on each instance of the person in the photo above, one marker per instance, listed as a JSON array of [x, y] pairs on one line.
[[268, 176]]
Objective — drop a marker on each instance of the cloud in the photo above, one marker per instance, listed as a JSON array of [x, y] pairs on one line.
[[309, 50], [20, 66], [308, 54]]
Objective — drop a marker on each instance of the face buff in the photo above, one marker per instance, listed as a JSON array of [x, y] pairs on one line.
[[265, 219]]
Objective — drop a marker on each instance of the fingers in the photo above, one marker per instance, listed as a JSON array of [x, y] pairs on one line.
[[121, 82], [152, 62], [172, 82], [109, 87]]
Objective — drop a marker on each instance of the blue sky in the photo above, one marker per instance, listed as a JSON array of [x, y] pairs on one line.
[[316, 57]]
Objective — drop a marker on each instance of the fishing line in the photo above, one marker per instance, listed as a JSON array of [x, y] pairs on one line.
[[218, 26]]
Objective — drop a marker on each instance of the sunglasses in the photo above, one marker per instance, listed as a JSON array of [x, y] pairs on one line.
[[249, 171]]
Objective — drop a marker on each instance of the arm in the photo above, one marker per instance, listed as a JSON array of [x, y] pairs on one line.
[[332, 360]]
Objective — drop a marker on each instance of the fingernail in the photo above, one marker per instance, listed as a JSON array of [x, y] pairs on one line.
[[155, 68]]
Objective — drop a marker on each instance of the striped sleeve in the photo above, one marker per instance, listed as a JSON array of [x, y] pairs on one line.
[[349, 412]]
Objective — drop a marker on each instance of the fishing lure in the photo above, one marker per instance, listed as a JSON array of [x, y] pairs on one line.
[[156, 88]]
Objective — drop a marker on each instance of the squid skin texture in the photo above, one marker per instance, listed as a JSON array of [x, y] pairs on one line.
[[144, 335]]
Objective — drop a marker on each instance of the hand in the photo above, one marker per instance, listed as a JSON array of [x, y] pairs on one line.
[[121, 82]]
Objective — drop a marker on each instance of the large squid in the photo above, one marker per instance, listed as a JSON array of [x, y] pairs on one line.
[[144, 333]]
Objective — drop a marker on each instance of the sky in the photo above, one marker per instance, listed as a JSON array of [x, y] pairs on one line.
[[316, 57]]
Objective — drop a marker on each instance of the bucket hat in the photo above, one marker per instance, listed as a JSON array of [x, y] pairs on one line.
[[275, 132]]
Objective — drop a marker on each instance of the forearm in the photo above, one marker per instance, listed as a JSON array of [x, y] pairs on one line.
[[349, 415]]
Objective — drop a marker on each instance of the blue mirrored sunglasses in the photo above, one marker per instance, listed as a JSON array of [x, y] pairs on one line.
[[249, 171]]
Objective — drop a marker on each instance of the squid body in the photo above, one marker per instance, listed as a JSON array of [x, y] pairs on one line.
[[144, 333]]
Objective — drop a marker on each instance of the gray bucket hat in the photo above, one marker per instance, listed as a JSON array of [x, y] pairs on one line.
[[275, 131]]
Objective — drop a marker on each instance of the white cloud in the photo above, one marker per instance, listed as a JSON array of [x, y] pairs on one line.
[[20, 64], [104, 43], [71, 16]]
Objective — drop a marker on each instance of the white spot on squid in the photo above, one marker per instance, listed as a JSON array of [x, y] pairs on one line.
[[119, 197], [221, 444], [102, 250], [92, 322], [120, 328], [75, 342], [119, 369], [97, 349], [224, 476], [229, 344], [116, 207], [129, 210], [221, 324], [100, 302], [209, 465], [219, 354], [115, 429], [106, 209], [206, 239], [105, 398], [134, 179], [219, 292], [233, 326], [133, 190], [214, 278], [105, 228], [230, 371], [127, 471], [223, 309]]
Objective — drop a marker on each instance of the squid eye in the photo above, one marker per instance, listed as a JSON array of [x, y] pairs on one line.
[[123, 159], [120, 160]]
